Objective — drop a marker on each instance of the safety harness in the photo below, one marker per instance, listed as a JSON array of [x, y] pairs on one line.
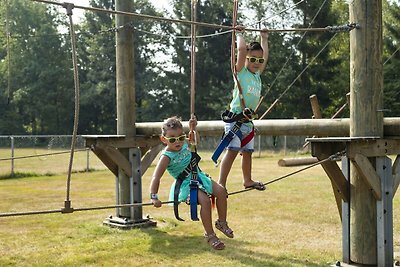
[[191, 169], [227, 116]]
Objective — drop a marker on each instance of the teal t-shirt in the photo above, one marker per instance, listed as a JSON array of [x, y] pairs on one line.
[[178, 162], [251, 89]]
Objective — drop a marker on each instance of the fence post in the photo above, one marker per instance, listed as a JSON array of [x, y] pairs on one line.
[[12, 155], [87, 159]]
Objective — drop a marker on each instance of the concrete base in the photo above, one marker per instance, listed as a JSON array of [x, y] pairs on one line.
[[127, 224]]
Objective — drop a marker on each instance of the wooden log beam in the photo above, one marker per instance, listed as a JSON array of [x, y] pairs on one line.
[[119, 159], [276, 127], [289, 162], [367, 171], [102, 154], [148, 158]]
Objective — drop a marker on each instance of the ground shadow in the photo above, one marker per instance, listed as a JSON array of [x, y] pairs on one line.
[[176, 246]]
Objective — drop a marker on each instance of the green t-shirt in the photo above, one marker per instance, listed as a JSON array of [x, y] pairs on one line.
[[178, 162], [251, 89]]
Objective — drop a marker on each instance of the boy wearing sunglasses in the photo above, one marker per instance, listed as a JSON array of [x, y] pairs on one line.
[[250, 63], [175, 158]]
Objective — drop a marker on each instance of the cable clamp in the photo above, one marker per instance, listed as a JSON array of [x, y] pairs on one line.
[[68, 7], [343, 28]]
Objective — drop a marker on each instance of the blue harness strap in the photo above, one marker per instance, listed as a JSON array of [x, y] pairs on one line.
[[226, 140], [194, 188], [182, 176]]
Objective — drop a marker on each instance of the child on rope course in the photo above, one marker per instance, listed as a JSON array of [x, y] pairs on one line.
[[250, 63], [175, 158]]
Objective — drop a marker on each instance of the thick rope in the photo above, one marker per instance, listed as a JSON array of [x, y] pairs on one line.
[[69, 8], [332, 157]]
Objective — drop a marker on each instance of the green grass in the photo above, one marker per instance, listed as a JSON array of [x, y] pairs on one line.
[[45, 165], [294, 222]]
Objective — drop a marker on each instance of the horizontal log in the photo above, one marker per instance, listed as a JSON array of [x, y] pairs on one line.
[[289, 162], [276, 127]]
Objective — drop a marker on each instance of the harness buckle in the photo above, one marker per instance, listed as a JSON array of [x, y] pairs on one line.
[[249, 114], [194, 184]]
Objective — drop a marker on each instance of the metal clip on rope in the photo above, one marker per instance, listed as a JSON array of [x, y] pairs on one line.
[[343, 28], [337, 156]]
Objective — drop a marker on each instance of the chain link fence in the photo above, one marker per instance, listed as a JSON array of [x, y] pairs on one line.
[[49, 154]]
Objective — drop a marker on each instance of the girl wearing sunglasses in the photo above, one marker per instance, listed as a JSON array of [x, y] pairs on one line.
[[250, 63], [175, 158]]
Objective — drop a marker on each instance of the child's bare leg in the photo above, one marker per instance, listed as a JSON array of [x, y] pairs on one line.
[[226, 166], [221, 224], [205, 212], [221, 201], [246, 168]]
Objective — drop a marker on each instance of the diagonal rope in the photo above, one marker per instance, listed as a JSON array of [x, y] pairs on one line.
[[391, 55], [290, 56], [298, 76], [277, 13]]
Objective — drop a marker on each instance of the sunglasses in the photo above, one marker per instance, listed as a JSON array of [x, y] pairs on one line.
[[256, 59], [172, 140]]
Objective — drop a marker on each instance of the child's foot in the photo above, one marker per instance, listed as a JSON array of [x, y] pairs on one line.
[[214, 241], [255, 185], [224, 228]]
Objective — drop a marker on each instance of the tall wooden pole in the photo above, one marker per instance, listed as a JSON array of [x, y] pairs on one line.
[[125, 79], [366, 119]]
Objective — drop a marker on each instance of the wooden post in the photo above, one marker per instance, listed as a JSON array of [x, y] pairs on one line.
[[366, 119], [125, 80]]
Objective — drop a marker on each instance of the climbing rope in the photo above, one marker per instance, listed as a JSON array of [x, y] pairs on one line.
[[69, 7], [333, 157]]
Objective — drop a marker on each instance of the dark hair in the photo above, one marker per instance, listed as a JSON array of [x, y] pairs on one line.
[[171, 123], [254, 46]]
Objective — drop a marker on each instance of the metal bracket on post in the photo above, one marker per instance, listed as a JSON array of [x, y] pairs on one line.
[[384, 213], [136, 190], [346, 214], [135, 218]]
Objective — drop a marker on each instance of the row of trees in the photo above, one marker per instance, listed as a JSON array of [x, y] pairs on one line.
[[36, 77]]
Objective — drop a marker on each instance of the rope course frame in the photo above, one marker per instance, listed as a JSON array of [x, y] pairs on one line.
[[69, 7], [332, 157], [347, 27]]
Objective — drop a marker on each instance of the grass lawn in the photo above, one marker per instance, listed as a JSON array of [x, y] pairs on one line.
[[294, 222]]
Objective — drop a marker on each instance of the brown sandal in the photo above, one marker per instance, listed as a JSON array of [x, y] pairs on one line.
[[214, 241], [224, 228]]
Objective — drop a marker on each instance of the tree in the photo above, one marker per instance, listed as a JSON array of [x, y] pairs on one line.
[[39, 98], [391, 59], [319, 71]]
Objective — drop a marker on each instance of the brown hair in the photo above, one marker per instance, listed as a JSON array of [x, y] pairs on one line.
[[171, 123], [254, 46]]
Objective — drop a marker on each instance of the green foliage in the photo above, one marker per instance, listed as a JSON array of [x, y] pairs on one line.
[[39, 76], [391, 59]]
